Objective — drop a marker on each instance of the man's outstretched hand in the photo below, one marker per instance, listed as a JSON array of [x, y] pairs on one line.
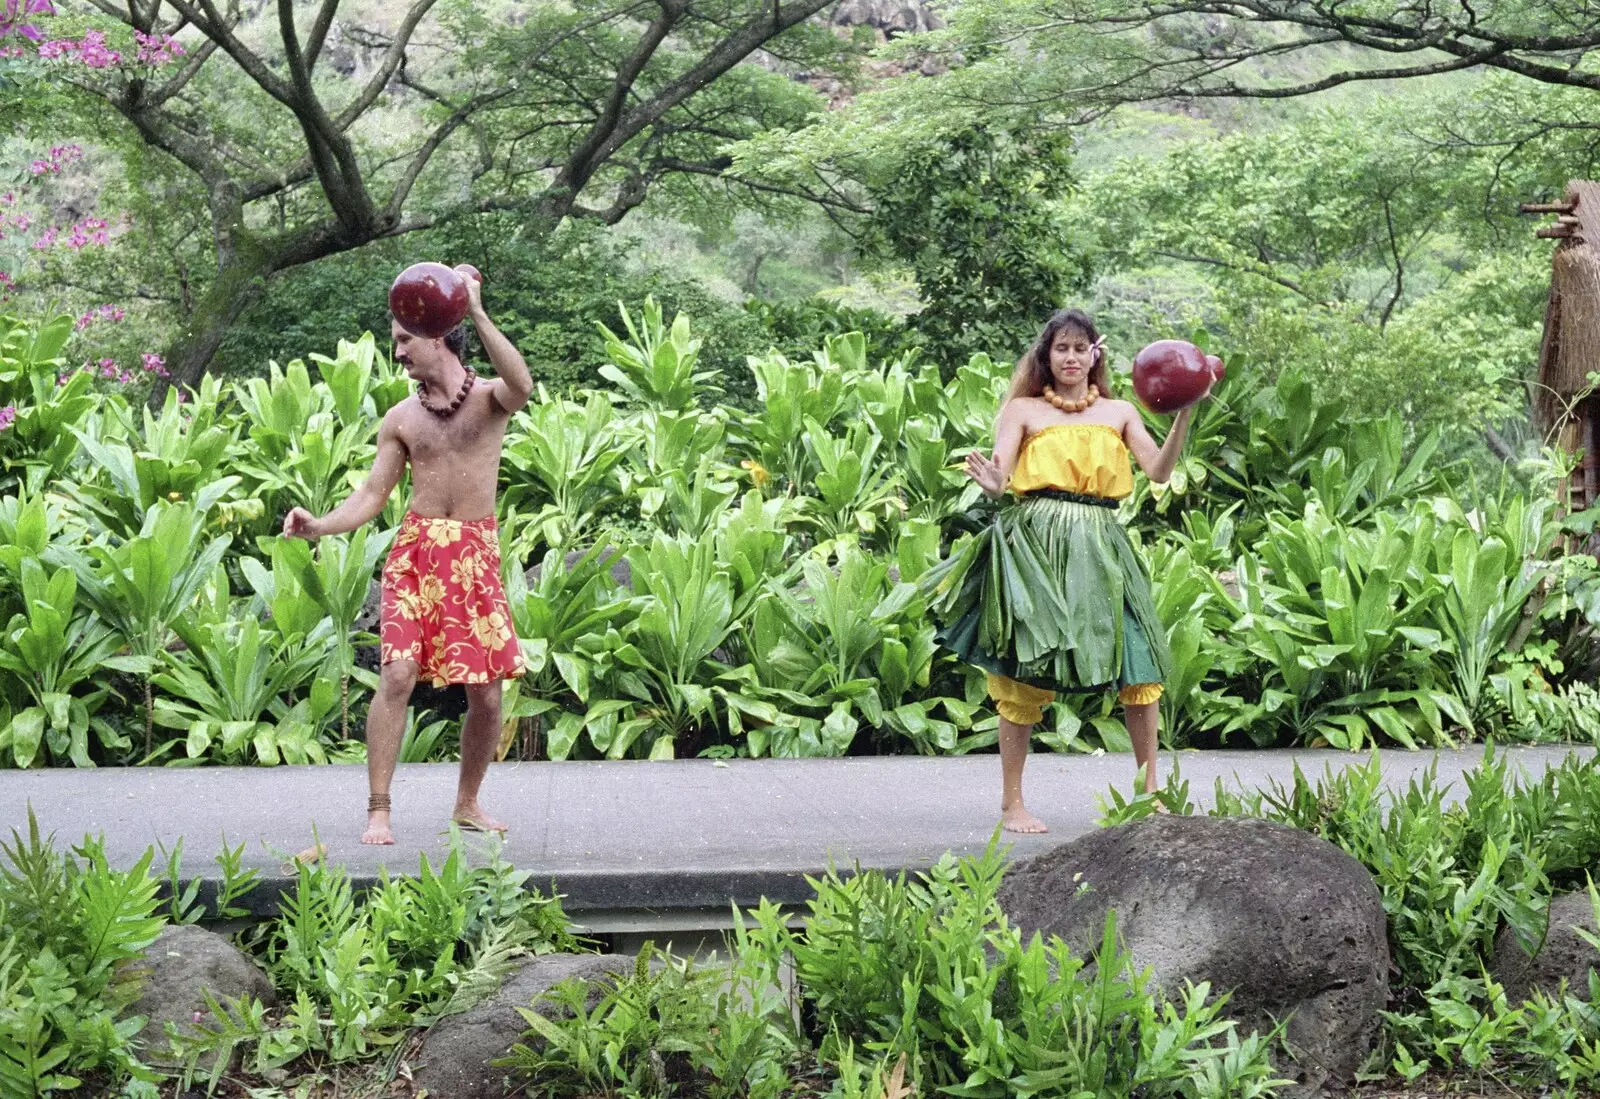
[[299, 523]]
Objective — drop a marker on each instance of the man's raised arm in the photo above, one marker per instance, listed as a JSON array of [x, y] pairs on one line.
[[514, 386]]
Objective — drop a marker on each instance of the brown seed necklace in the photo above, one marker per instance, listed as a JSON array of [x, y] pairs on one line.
[[1078, 405], [448, 410]]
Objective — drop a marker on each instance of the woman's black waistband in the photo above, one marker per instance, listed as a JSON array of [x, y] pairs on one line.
[[1075, 497]]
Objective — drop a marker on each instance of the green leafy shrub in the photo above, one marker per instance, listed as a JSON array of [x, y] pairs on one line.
[[1453, 873], [70, 921], [930, 969], [925, 975], [667, 1027], [1323, 581], [359, 971]]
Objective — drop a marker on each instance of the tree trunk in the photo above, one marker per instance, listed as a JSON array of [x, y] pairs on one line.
[[237, 287], [246, 261]]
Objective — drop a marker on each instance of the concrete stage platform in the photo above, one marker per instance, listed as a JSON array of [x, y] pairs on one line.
[[643, 846]]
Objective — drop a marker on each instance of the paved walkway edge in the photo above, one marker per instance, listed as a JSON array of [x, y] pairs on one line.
[[686, 836]]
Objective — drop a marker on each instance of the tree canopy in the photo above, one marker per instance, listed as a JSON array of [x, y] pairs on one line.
[[289, 132]]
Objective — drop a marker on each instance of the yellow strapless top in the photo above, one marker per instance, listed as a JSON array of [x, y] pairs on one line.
[[1086, 458]]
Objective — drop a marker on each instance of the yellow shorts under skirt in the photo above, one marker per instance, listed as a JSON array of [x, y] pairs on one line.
[[1024, 705]]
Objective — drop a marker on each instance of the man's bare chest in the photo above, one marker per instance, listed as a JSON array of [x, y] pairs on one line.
[[470, 433]]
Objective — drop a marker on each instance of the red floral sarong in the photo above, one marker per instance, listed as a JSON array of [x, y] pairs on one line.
[[443, 605]]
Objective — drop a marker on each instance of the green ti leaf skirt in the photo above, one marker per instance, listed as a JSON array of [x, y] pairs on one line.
[[1051, 593]]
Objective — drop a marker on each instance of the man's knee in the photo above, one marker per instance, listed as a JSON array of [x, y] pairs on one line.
[[395, 680], [484, 698]]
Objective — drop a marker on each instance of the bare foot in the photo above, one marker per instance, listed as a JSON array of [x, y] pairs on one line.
[[470, 818], [377, 828], [1018, 819]]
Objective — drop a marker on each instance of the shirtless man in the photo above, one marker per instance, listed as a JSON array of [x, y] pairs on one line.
[[444, 613]]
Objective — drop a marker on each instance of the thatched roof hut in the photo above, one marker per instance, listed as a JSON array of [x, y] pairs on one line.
[[1566, 406]]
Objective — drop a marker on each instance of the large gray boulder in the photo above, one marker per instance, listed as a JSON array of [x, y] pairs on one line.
[[455, 1060], [177, 969], [1288, 923], [1563, 956]]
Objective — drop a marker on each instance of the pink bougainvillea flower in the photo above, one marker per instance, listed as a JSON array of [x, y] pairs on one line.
[[92, 52], [8, 415], [157, 49], [13, 12]]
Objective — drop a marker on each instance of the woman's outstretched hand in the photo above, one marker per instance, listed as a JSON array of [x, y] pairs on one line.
[[987, 473]]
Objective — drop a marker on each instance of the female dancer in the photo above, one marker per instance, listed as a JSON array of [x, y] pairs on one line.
[[1052, 596]]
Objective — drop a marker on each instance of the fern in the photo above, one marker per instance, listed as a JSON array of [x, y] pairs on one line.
[[183, 905], [117, 909], [31, 1044], [37, 888], [75, 920], [492, 958]]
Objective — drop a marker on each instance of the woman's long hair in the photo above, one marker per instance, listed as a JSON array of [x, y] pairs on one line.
[[1033, 369]]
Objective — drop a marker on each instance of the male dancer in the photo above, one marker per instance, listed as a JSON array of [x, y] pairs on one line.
[[444, 614]]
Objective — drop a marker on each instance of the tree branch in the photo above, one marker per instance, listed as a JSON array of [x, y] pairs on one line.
[[319, 32], [580, 163], [331, 155], [1399, 266], [180, 80], [1288, 284], [391, 61], [1469, 44], [220, 31], [441, 133], [1497, 446], [718, 170], [723, 57]]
